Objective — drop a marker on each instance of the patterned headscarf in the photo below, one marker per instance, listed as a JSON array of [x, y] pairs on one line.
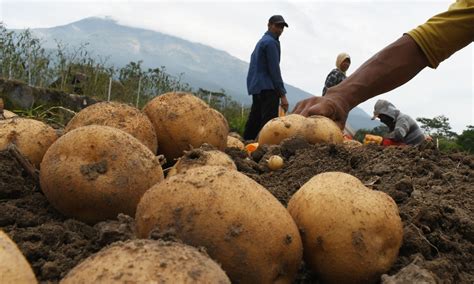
[[340, 58]]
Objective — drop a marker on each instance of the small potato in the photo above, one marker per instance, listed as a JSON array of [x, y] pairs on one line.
[[352, 234], [233, 142], [182, 121], [14, 268], [32, 137], [275, 162], [118, 115], [241, 225], [280, 128], [199, 157], [95, 172], [320, 129], [147, 261]]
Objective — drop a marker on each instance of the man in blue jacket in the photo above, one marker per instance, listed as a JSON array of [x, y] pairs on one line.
[[264, 80]]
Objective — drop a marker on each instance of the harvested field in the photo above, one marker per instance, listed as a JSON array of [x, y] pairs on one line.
[[434, 192]]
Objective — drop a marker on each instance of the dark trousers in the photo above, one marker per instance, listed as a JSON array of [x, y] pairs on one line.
[[264, 108]]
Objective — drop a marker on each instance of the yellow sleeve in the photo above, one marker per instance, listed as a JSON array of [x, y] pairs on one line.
[[444, 34]]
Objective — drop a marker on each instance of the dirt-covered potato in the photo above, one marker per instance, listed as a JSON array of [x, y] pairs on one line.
[[233, 142], [183, 121], [277, 129], [352, 143], [147, 261], [241, 225], [94, 172], [320, 129], [118, 115], [14, 268], [352, 234], [31, 137], [201, 157]]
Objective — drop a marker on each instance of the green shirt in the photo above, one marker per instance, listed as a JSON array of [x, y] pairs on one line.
[[444, 34]]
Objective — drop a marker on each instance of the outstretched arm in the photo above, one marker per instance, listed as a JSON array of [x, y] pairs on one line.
[[393, 66]]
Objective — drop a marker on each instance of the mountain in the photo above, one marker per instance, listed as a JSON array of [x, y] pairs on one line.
[[360, 119], [203, 66]]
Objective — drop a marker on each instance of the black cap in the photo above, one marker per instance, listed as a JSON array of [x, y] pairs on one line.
[[277, 19]]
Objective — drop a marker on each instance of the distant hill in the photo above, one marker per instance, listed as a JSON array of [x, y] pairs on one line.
[[203, 66]]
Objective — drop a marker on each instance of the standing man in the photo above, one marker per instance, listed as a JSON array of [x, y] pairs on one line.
[[264, 80]]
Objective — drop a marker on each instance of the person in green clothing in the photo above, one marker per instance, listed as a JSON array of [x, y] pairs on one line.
[[425, 46]]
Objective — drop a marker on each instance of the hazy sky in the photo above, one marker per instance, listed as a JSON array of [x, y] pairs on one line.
[[318, 31]]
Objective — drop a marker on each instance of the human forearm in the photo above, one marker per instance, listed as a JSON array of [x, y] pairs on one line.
[[391, 67]]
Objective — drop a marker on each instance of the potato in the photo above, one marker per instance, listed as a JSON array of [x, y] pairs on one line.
[[32, 137], [199, 157], [352, 143], [352, 234], [320, 129], [275, 162], [241, 225], [182, 121], [235, 135], [233, 142], [8, 114], [277, 129], [147, 261], [118, 115], [14, 268], [94, 172]]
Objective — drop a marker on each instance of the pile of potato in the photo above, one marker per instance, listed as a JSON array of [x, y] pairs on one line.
[[315, 129], [106, 164]]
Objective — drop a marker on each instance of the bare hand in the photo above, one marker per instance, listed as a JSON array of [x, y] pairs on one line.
[[325, 106], [284, 103]]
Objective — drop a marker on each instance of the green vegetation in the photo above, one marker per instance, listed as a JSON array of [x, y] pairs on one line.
[[75, 70], [466, 139], [440, 130]]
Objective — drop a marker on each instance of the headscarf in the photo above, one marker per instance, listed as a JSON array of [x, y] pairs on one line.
[[340, 58]]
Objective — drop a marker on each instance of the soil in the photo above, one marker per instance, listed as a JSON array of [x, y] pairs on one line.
[[434, 192]]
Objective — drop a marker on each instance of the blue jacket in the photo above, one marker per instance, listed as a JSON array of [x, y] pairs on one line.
[[264, 70]]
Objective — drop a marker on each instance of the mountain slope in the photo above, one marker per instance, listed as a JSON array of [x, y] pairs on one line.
[[203, 66]]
